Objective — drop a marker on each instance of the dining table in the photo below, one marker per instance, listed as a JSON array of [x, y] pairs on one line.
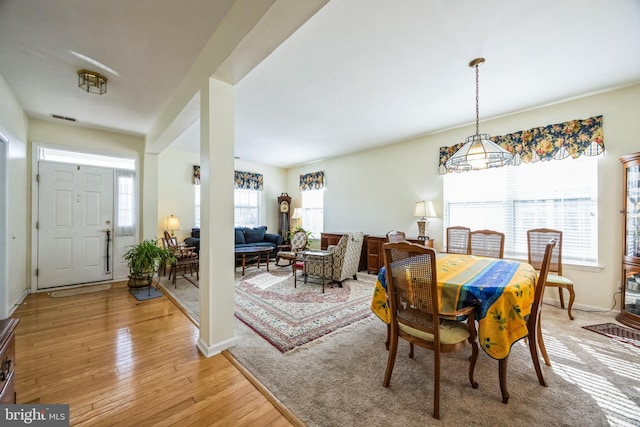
[[502, 291]]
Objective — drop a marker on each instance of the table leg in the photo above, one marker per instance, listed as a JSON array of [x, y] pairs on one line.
[[244, 259], [502, 369], [267, 261], [323, 273]]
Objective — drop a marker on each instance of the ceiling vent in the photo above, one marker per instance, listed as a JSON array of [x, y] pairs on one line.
[[57, 116]]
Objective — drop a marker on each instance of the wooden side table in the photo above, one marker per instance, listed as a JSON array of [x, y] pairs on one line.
[[7, 361]]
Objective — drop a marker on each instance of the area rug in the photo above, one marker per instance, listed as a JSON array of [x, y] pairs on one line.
[[146, 293], [79, 291], [617, 332], [289, 317]]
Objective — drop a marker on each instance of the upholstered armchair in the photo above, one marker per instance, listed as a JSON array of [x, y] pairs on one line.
[[345, 258]]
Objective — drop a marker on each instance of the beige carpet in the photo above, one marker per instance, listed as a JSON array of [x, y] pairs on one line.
[[594, 380]]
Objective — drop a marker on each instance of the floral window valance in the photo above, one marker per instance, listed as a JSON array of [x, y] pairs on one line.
[[552, 142], [312, 181], [247, 180]]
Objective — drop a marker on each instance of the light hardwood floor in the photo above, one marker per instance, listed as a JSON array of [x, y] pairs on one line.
[[119, 361]]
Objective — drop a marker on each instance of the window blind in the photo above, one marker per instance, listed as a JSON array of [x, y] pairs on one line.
[[559, 194]]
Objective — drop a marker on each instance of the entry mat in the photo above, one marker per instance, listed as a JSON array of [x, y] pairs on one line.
[[617, 332]]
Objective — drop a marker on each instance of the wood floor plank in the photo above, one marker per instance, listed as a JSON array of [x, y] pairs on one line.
[[119, 361]]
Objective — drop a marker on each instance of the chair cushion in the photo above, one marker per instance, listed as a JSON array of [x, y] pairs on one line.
[[554, 279], [450, 332], [254, 235], [239, 236]]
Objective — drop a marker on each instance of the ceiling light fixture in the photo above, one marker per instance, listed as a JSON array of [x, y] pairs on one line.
[[92, 82], [478, 151]]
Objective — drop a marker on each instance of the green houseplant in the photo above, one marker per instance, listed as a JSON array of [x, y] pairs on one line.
[[143, 260]]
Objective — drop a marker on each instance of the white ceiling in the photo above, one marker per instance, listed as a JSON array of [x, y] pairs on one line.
[[358, 74]]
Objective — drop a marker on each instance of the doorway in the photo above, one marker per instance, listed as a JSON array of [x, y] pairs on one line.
[[84, 217]]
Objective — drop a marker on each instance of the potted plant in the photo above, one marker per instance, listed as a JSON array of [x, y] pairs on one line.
[[143, 260]]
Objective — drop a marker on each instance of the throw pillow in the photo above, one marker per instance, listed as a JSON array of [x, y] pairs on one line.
[[239, 236], [255, 235]]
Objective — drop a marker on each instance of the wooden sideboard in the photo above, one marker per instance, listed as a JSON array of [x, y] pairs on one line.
[[332, 239], [371, 256], [7, 361], [375, 255]]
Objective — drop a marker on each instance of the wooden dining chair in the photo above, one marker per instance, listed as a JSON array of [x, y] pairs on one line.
[[458, 241], [412, 287], [183, 257], [536, 242], [487, 243], [534, 327]]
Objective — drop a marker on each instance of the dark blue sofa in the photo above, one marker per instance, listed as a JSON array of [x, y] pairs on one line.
[[244, 236], [258, 237]]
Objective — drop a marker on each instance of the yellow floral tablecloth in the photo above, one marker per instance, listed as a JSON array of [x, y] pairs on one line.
[[504, 289]]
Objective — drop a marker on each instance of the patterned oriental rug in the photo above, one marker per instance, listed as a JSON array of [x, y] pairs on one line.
[[289, 317], [617, 332]]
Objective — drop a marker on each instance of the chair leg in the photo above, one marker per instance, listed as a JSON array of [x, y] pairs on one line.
[[436, 384], [572, 297], [391, 360], [543, 349], [386, 343], [502, 369], [533, 349], [410, 350], [561, 296]]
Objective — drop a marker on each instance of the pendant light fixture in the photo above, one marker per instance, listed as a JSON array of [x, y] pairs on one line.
[[478, 151]]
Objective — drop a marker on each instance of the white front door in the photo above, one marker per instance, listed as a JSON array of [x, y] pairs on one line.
[[75, 208]]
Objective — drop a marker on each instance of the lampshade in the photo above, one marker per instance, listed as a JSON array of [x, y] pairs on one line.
[[92, 82], [171, 223], [297, 213], [478, 151], [424, 209]]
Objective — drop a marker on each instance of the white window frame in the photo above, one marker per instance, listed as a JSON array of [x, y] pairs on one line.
[[247, 208], [558, 194], [196, 207], [313, 212]]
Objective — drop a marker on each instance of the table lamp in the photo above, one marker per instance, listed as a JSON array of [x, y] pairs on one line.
[[297, 215], [423, 210], [171, 223]]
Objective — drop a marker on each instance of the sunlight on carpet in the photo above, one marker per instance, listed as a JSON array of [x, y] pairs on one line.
[[265, 280]]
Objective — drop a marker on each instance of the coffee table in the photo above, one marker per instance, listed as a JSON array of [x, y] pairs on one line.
[[253, 254]]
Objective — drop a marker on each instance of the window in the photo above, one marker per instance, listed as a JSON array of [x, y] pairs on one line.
[[246, 206], [196, 209], [312, 211], [125, 203], [558, 194]]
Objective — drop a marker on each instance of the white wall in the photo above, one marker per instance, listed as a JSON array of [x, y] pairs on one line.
[[375, 191], [14, 279], [177, 196]]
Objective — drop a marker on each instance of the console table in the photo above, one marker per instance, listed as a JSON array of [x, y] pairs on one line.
[[7, 361]]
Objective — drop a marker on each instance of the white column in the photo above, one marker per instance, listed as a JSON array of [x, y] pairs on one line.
[[148, 200], [216, 217]]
